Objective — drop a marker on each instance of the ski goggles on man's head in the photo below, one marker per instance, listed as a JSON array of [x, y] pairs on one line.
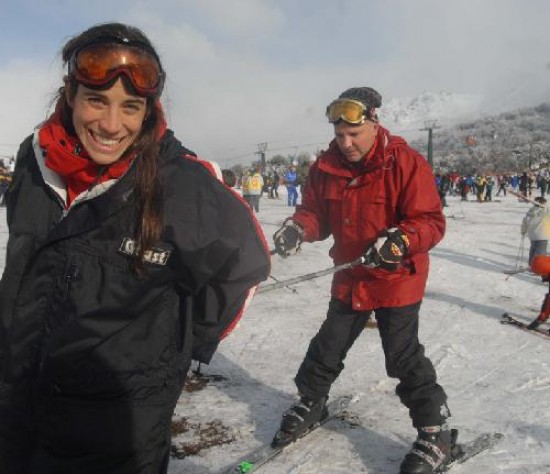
[[98, 63], [349, 110]]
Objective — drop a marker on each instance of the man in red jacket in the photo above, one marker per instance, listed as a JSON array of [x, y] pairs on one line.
[[377, 197]]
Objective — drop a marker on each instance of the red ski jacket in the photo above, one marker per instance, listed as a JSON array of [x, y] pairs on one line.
[[395, 188]]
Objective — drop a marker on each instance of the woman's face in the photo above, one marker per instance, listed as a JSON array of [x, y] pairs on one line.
[[108, 121]]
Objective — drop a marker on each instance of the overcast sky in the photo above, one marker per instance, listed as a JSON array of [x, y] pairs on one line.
[[244, 72]]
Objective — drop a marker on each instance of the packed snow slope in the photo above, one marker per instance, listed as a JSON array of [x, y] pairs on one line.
[[497, 377]]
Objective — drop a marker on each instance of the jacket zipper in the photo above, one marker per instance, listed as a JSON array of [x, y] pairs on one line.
[[70, 276]]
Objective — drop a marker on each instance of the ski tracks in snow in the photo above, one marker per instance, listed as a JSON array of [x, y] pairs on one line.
[[498, 367], [533, 384]]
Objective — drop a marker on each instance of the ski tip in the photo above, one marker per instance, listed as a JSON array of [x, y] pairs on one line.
[[245, 467]]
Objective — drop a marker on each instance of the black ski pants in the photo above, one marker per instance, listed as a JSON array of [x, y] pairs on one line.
[[404, 355]]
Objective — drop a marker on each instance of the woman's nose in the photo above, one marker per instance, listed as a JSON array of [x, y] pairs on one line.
[[110, 121]]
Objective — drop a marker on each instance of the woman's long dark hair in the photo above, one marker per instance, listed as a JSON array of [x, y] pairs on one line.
[[148, 218]]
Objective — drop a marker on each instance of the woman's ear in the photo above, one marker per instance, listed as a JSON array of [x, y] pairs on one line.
[[69, 93]]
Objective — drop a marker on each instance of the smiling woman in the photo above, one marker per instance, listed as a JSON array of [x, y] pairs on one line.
[[127, 257]]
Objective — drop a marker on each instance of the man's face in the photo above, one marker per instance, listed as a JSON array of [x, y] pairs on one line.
[[355, 141]]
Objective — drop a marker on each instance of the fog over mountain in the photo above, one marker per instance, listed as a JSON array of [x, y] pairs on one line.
[[445, 107]]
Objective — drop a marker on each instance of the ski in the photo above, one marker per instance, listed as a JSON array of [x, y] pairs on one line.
[[262, 455], [515, 271], [507, 319], [462, 452]]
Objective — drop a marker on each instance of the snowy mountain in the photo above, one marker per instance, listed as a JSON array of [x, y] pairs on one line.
[[413, 112], [470, 134], [501, 143]]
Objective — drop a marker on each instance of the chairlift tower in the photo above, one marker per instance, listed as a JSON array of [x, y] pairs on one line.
[[430, 125], [262, 147]]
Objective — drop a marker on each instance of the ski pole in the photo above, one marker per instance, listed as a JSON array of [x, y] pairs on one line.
[[525, 198], [294, 290], [310, 276]]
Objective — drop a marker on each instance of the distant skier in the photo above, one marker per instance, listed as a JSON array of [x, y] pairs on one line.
[[502, 183], [291, 182], [377, 197], [523, 183], [536, 225], [273, 190], [541, 266]]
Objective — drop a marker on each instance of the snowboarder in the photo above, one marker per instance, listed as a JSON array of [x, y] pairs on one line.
[[377, 197]]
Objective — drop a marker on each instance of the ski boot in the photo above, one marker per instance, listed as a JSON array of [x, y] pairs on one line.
[[534, 325], [299, 418], [432, 450]]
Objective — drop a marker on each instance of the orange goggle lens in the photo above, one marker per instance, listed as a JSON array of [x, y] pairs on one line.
[[352, 111], [99, 63]]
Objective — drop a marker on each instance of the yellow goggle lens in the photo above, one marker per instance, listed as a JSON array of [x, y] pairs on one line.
[[352, 111]]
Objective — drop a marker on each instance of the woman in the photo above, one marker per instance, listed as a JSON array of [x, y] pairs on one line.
[[126, 259]]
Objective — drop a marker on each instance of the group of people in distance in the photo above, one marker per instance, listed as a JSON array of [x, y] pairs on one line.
[[254, 185], [128, 258]]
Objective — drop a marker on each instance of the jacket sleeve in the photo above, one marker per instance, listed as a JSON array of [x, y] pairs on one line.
[[222, 265], [312, 214], [419, 205]]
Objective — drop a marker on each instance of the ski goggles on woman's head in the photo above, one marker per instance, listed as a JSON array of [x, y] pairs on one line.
[[98, 63], [352, 111]]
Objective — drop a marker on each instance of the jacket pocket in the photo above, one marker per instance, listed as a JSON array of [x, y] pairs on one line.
[[375, 215]]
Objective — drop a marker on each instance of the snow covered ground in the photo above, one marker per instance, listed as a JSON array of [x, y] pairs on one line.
[[497, 377]]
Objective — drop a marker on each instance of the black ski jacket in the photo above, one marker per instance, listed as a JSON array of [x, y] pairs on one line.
[[92, 357]]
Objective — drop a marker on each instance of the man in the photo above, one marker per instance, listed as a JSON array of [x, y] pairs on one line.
[[254, 186], [378, 199], [291, 181], [274, 189]]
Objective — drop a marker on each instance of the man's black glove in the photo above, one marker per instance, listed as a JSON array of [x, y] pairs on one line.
[[288, 239], [388, 250], [535, 324]]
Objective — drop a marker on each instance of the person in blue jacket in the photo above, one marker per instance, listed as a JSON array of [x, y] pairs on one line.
[[126, 259], [291, 182]]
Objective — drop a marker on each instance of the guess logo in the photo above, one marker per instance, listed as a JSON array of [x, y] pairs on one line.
[[155, 256]]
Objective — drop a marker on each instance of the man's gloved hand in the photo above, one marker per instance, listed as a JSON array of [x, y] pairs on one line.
[[288, 239], [388, 250], [535, 324]]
